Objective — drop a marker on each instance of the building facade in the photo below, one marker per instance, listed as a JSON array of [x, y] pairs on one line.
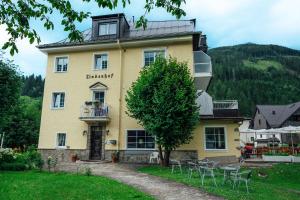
[[84, 109]]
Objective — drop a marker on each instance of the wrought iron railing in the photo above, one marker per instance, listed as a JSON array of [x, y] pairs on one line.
[[94, 109]]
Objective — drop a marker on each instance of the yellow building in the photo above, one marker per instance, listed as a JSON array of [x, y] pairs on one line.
[[84, 105]]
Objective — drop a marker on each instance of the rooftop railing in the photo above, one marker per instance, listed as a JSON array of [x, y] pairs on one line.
[[226, 104]]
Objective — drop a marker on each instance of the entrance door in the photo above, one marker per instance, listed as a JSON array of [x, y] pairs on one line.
[[96, 142]]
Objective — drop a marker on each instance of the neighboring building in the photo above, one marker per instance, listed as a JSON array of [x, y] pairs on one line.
[[277, 116], [244, 136], [86, 82]]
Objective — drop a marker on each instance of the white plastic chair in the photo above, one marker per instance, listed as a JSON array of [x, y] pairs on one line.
[[154, 156]]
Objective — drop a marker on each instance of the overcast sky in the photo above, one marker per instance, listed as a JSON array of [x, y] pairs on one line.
[[225, 22]]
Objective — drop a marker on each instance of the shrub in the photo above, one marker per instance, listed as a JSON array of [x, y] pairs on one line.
[[275, 154], [13, 166], [6, 155], [30, 159]]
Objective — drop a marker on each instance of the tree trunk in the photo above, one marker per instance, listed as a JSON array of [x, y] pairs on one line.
[[167, 158], [161, 155]]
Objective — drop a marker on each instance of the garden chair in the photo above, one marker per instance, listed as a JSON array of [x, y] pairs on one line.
[[174, 164], [191, 168], [208, 170], [244, 177], [154, 156], [234, 175]]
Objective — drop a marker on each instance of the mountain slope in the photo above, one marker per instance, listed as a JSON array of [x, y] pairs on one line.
[[255, 74]]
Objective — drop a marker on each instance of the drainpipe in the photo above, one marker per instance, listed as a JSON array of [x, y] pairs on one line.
[[121, 91]]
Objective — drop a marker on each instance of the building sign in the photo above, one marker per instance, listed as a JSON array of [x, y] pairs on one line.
[[89, 76]]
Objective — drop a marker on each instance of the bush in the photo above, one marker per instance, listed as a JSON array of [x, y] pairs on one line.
[[30, 159], [276, 154], [13, 166], [7, 155]]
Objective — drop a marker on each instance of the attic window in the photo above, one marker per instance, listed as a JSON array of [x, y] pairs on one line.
[[107, 29], [273, 112]]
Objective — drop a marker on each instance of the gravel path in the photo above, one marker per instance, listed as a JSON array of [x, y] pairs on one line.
[[155, 186]]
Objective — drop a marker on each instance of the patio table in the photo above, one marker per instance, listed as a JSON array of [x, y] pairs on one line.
[[227, 170]]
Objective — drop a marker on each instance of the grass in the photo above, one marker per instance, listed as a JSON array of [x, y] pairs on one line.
[[282, 182], [262, 64], [44, 186]]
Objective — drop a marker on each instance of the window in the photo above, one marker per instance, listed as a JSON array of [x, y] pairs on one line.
[[139, 139], [61, 140], [215, 138], [99, 96], [101, 61], [259, 122], [149, 56], [61, 64], [252, 139], [107, 29], [58, 100]]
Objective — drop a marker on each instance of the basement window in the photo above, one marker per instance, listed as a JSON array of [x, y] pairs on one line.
[[61, 140]]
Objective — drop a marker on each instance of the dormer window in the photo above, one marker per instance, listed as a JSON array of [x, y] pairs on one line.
[[107, 28]]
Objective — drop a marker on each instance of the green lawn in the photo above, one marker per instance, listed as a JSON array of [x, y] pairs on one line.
[[43, 186], [283, 182]]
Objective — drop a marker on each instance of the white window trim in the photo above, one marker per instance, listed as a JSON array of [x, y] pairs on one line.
[[107, 23], [94, 63], [153, 49], [99, 90], [56, 140], [137, 149], [61, 56], [51, 103], [225, 132]]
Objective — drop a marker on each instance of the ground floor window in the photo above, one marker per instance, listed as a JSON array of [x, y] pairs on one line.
[[215, 138], [61, 139], [139, 139]]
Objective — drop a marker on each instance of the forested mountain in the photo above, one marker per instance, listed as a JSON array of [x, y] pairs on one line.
[[33, 86], [255, 74]]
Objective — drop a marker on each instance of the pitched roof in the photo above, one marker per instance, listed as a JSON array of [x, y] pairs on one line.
[[155, 29], [276, 115]]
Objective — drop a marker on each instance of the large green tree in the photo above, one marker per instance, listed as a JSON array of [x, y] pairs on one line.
[[19, 15], [10, 86], [23, 129], [163, 101]]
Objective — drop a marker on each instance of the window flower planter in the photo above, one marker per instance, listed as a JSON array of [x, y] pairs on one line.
[[296, 159], [275, 158]]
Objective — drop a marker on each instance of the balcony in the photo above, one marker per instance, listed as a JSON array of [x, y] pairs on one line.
[[226, 109], [226, 104], [202, 70], [93, 111]]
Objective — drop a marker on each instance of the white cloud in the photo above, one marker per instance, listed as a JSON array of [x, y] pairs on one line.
[[29, 58], [226, 22]]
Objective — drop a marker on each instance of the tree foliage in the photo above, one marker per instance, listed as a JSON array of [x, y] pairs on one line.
[[255, 74], [33, 86], [10, 83], [163, 101], [18, 16], [23, 129]]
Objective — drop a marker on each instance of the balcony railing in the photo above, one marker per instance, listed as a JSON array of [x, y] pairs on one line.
[[94, 111], [202, 63], [226, 104]]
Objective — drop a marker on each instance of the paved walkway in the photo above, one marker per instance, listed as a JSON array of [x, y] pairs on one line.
[[155, 186]]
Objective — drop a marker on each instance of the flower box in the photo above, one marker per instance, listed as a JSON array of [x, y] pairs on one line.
[[275, 158], [296, 159]]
